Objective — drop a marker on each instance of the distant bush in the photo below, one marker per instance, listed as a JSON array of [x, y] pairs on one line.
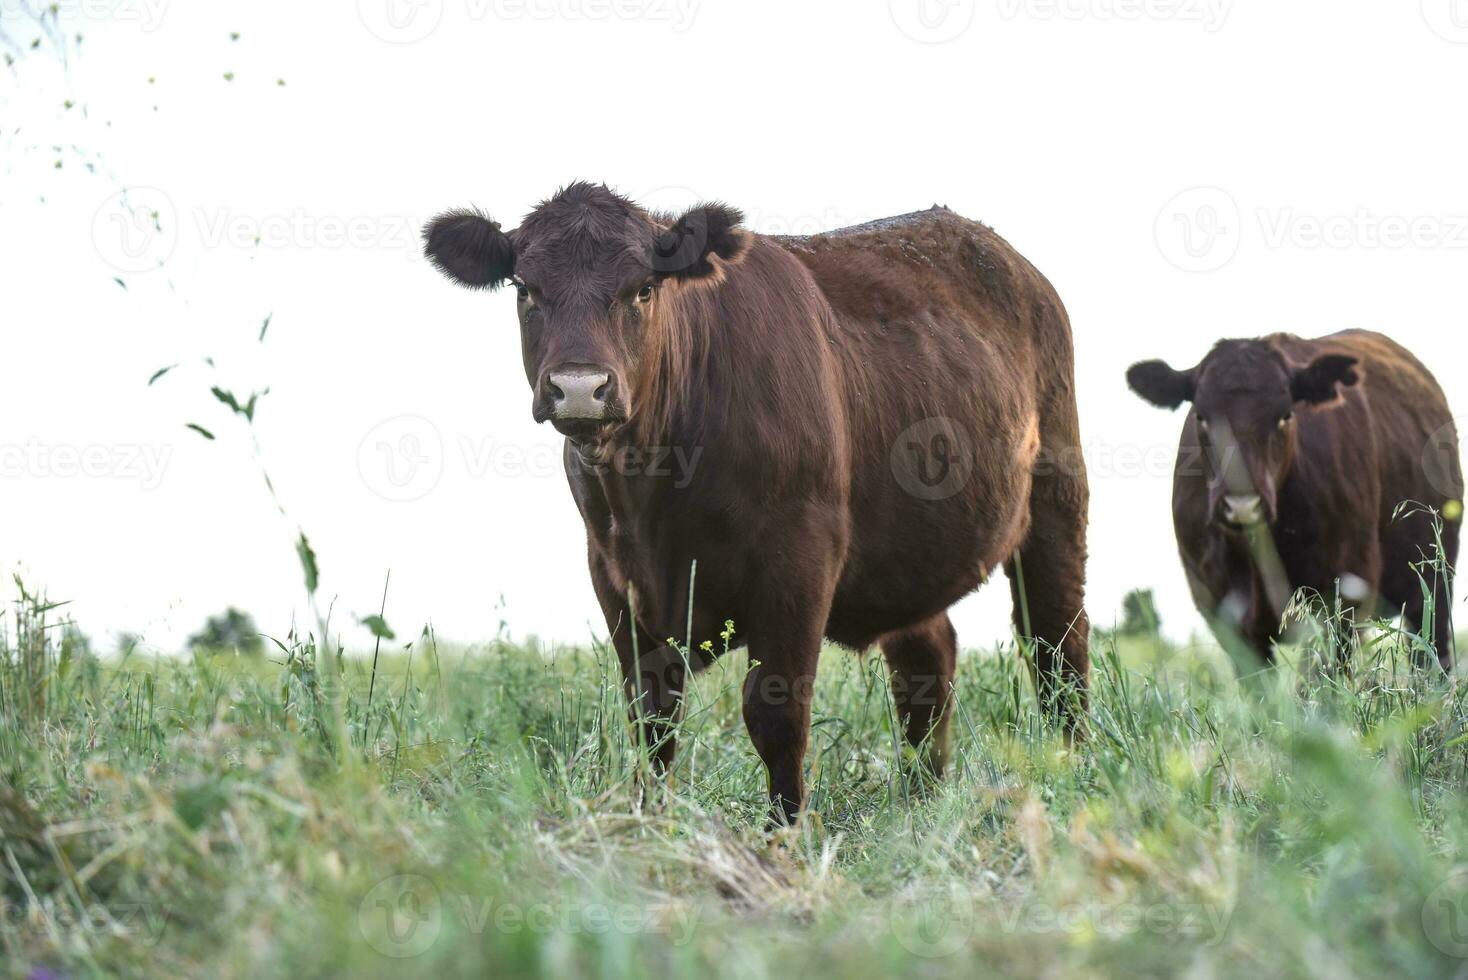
[[1139, 614], [230, 630]]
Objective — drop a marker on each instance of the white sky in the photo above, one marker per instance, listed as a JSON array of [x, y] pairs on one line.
[[1077, 128]]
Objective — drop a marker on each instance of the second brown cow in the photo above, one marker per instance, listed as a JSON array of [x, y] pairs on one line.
[[1339, 450]]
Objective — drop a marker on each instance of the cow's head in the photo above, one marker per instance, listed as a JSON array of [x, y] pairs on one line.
[[590, 270], [1245, 396]]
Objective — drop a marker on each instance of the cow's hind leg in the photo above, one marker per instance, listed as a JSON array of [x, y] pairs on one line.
[[921, 659], [1047, 578]]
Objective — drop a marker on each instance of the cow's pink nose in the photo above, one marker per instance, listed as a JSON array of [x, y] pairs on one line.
[[1244, 510], [578, 394]]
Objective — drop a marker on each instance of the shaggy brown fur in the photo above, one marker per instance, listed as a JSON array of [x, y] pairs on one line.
[[881, 417], [1333, 436]]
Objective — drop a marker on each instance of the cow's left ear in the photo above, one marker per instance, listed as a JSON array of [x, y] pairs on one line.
[[469, 248], [1161, 384], [687, 248], [1317, 383]]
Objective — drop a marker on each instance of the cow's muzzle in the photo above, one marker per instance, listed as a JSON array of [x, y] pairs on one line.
[[578, 400], [1242, 511]]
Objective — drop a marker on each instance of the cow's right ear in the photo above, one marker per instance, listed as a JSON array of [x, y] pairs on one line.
[[469, 248], [686, 249], [1317, 383], [1160, 383]]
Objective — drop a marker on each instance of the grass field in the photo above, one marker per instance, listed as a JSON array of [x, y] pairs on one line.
[[220, 816]]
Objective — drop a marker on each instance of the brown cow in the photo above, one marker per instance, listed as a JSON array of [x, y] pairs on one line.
[[1334, 445], [867, 410]]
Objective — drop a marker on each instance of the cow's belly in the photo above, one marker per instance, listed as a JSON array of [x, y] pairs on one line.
[[911, 558]]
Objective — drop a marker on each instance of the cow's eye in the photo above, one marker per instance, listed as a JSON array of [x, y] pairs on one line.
[[522, 291], [1202, 423], [1284, 420], [645, 293]]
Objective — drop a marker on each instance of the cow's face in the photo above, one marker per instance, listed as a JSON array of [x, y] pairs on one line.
[[1245, 397], [590, 271]]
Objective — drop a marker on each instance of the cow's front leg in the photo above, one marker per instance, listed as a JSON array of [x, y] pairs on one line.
[[654, 680], [777, 697], [653, 673], [785, 632]]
